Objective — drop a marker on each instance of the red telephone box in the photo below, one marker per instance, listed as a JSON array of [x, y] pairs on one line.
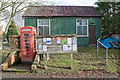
[[28, 43]]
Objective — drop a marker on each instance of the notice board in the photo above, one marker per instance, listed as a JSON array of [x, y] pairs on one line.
[[57, 43]]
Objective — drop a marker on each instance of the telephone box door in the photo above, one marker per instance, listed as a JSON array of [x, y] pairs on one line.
[[26, 47]]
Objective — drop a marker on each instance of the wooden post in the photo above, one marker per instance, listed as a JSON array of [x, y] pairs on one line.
[[71, 60], [45, 62], [106, 56], [37, 59], [47, 56], [97, 47]]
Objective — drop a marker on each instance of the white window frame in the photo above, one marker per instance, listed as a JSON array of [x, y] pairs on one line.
[[82, 25], [23, 21], [42, 25]]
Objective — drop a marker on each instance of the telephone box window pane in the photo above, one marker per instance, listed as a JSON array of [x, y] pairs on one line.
[[27, 41], [26, 34]]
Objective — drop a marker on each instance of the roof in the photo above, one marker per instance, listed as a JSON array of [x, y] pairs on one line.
[[41, 11]]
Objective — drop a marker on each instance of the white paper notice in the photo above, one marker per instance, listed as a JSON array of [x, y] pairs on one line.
[[40, 50], [48, 40], [69, 41], [44, 47], [40, 46], [74, 40], [65, 47], [44, 39], [69, 47], [74, 47]]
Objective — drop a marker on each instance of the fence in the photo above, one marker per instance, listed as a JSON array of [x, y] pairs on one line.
[[99, 42]]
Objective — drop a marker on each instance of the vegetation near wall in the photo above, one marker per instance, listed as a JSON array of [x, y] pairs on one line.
[[12, 30], [110, 13]]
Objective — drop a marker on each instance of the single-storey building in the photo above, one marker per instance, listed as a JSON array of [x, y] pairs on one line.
[[85, 21]]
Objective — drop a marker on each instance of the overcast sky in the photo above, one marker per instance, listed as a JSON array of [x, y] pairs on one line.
[[61, 2], [74, 2]]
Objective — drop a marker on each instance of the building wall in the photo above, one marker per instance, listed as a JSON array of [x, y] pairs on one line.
[[67, 25]]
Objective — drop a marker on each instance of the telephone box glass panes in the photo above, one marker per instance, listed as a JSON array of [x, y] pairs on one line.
[[27, 38], [26, 34], [43, 26], [27, 41], [82, 27]]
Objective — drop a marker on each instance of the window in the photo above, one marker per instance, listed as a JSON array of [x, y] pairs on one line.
[[43, 27], [82, 27]]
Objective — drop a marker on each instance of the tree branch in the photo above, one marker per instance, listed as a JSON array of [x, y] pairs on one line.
[[18, 6], [21, 9]]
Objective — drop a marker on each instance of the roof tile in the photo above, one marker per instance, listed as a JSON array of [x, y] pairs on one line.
[[41, 11]]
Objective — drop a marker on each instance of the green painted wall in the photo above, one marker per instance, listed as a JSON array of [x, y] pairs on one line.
[[82, 41], [30, 22], [60, 25], [67, 25]]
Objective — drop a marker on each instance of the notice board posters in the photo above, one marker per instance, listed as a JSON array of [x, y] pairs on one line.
[[44, 39], [48, 41], [69, 41], [64, 40], [39, 47], [44, 47], [74, 41], [69, 47], [65, 47], [74, 47], [57, 43], [58, 40]]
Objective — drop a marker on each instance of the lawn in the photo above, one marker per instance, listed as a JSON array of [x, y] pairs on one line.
[[85, 60]]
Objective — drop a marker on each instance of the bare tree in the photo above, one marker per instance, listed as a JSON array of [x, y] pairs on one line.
[[11, 8]]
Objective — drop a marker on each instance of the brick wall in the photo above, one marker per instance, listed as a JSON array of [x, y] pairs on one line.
[[14, 41], [9, 61]]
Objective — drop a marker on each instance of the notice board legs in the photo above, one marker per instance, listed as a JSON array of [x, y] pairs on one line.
[[71, 60], [45, 62], [47, 56]]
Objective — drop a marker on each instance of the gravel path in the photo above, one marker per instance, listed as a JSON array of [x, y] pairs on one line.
[[82, 74]]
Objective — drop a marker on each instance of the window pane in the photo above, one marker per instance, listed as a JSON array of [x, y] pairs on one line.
[[43, 22], [84, 30], [46, 30], [40, 22], [40, 30], [79, 22], [79, 30], [84, 22]]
